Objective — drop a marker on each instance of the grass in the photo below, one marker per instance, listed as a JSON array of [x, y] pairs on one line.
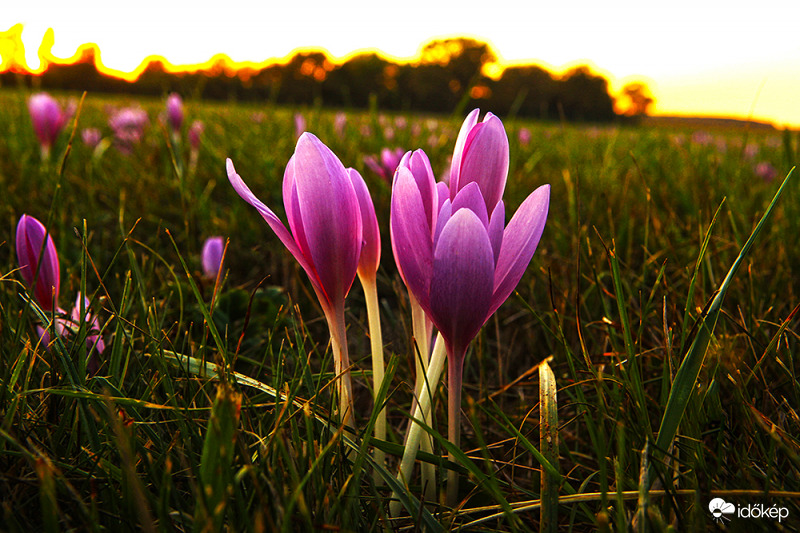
[[211, 405]]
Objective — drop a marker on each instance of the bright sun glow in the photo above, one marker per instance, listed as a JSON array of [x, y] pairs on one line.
[[698, 57]]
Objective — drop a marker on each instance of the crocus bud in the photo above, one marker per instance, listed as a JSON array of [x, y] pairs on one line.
[[175, 112], [211, 257], [48, 119], [91, 137], [30, 239], [195, 132]]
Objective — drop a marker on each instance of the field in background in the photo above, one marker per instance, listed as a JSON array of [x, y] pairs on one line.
[[613, 295]]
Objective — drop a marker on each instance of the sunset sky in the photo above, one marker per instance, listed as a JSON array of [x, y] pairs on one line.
[[722, 58]]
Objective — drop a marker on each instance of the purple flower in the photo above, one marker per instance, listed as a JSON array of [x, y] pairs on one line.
[[48, 119], [91, 137], [65, 326], [30, 255], [480, 156], [766, 171], [128, 125], [385, 164], [339, 124], [211, 257], [195, 132], [175, 112], [324, 235], [299, 125], [452, 247], [524, 136], [370, 256]]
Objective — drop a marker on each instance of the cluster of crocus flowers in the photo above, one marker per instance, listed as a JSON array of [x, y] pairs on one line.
[[386, 163], [39, 268], [457, 256], [453, 249], [48, 119]]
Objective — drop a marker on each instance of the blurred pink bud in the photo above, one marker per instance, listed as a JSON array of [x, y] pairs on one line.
[[91, 137], [386, 164], [195, 132], [128, 125], [30, 255], [175, 112], [766, 171], [299, 125], [339, 123], [524, 136], [48, 118], [211, 257]]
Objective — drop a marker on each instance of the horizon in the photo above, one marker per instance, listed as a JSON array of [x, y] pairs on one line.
[[717, 71]]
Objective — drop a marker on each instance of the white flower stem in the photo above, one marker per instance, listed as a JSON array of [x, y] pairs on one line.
[[376, 343], [421, 412]]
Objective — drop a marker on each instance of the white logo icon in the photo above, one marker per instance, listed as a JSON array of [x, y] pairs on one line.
[[719, 508]]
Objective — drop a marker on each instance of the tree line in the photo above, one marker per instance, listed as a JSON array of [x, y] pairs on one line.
[[449, 76]]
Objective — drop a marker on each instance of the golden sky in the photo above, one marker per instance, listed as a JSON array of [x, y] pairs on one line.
[[722, 58]]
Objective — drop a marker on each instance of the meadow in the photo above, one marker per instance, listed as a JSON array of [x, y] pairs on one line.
[[675, 384]]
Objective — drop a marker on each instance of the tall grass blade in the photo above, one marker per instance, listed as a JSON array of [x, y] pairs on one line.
[[689, 370]]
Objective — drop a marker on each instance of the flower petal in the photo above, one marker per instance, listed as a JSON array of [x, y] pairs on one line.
[[370, 256], [29, 240], [272, 219], [420, 166], [455, 165], [330, 215], [462, 283], [485, 160], [497, 224], [519, 243], [470, 197], [411, 237]]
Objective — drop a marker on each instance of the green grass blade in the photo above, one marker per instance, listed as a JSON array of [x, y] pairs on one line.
[[687, 374]]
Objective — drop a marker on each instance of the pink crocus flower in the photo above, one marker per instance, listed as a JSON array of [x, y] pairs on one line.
[[69, 325], [34, 252], [211, 257], [48, 119], [175, 112], [462, 262], [299, 124], [766, 171], [324, 235], [524, 135], [128, 125], [91, 137], [195, 132], [385, 164], [339, 124]]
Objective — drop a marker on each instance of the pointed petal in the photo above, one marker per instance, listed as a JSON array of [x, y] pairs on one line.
[[496, 226], [455, 165], [274, 222], [462, 283], [420, 166], [485, 160], [519, 243], [370, 256], [470, 197], [442, 193], [29, 240], [330, 215], [411, 237]]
